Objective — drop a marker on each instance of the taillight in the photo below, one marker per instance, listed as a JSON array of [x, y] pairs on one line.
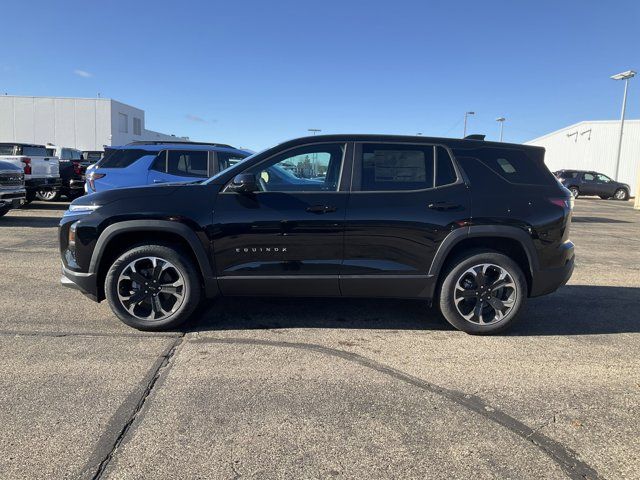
[[95, 176], [27, 165], [77, 168], [563, 202]]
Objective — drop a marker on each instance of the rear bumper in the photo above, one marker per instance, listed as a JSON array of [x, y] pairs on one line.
[[84, 282], [43, 184], [550, 279]]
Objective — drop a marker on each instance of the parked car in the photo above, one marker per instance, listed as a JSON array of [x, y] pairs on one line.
[[470, 226], [142, 163], [12, 191], [581, 182], [41, 171], [72, 174]]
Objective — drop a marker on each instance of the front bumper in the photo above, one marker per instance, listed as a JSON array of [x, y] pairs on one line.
[[13, 198], [86, 283], [548, 280]]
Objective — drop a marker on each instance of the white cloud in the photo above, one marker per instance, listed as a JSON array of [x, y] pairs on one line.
[[83, 73], [195, 118]]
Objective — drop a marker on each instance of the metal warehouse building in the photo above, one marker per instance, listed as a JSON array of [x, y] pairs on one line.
[[82, 123], [593, 145]]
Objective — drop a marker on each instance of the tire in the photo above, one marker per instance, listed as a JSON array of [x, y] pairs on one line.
[[574, 191], [4, 211], [171, 309], [464, 272], [621, 194], [48, 195]]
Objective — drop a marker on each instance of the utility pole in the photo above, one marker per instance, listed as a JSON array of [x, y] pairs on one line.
[[466, 114], [622, 76], [501, 121]]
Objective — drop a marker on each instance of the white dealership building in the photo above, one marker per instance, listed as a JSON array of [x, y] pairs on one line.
[[593, 145], [82, 123]]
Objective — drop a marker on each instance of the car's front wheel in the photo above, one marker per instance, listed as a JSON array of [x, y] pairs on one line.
[[482, 292], [47, 195], [621, 194], [574, 191], [153, 287]]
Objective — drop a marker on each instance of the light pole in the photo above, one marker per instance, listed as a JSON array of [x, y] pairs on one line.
[[501, 121], [466, 114], [622, 76]]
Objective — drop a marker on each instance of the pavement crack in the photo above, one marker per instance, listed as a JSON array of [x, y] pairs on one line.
[[122, 421]]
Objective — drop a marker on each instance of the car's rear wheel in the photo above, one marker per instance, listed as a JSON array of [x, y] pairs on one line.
[[482, 292], [574, 191], [621, 194], [153, 287], [47, 195]]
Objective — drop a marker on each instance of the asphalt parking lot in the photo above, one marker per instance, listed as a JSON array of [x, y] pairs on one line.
[[315, 388]]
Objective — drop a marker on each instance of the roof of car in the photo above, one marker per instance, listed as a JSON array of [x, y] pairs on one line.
[[23, 144], [156, 147], [452, 142]]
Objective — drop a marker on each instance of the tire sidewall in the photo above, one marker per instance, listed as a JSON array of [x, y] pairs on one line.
[[626, 195], [446, 300], [181, 261], [576, 190]]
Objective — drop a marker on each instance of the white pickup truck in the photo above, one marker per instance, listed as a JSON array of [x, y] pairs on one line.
[[41, 171]]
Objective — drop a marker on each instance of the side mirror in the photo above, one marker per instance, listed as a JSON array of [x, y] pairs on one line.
[[244, 183]]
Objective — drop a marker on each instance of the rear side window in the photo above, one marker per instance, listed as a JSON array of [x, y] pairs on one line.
[[589, 177], [34, 151], [445, 173], [228, 159], [123, 158], [188, 164], [515, 166], [6, 150], [387, 167], [567, 174]]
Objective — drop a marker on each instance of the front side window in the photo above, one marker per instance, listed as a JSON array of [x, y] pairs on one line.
[[588, 177], [387, 167], [188, 164], [603, 178], [305, 169]]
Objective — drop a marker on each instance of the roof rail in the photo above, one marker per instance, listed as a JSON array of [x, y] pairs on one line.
[[178, 142], [474, 137]]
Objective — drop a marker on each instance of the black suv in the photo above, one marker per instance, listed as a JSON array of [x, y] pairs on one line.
[[581, 182], [473, 227]]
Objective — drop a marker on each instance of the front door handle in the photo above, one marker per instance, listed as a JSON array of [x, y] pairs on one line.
[[443, 206], [318, 209]]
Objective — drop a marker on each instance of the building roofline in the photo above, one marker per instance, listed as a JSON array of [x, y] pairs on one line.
[[575, 125]]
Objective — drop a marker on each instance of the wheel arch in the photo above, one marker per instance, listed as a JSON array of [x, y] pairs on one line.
[[514, 242], [117, 238]]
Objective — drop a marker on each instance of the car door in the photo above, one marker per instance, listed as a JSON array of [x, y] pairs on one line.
[[605, 185], [288, 236], [588, 184], [179, 166], [404, 200]]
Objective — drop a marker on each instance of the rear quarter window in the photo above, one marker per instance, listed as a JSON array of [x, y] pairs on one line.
[[514, 166]]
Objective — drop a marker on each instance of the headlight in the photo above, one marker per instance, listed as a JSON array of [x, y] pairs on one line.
[[81, 209]]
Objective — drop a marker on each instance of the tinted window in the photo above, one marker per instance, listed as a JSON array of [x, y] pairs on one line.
[[6, 150], [123, 158], [92, 156], [228, 159], [51, 152], [160, 163], [188, 164], [445, 173], [396, 167], [34, 151], [66, 154], [515, 166], [566, 174], [305, 169]]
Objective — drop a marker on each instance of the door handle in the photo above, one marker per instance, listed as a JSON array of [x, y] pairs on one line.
[[318, 209], [159, 181], [443, 206]]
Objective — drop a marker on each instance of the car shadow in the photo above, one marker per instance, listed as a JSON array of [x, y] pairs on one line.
[[597, 220], [573, 310], [29, 221], [57, 206]]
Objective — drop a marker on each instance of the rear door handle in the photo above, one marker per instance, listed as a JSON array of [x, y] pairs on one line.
[[443, 206], [318, 209]]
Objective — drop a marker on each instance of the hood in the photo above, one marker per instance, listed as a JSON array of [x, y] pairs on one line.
[[108, 196]]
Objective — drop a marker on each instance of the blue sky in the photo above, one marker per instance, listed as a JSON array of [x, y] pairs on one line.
[[253, 73]]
